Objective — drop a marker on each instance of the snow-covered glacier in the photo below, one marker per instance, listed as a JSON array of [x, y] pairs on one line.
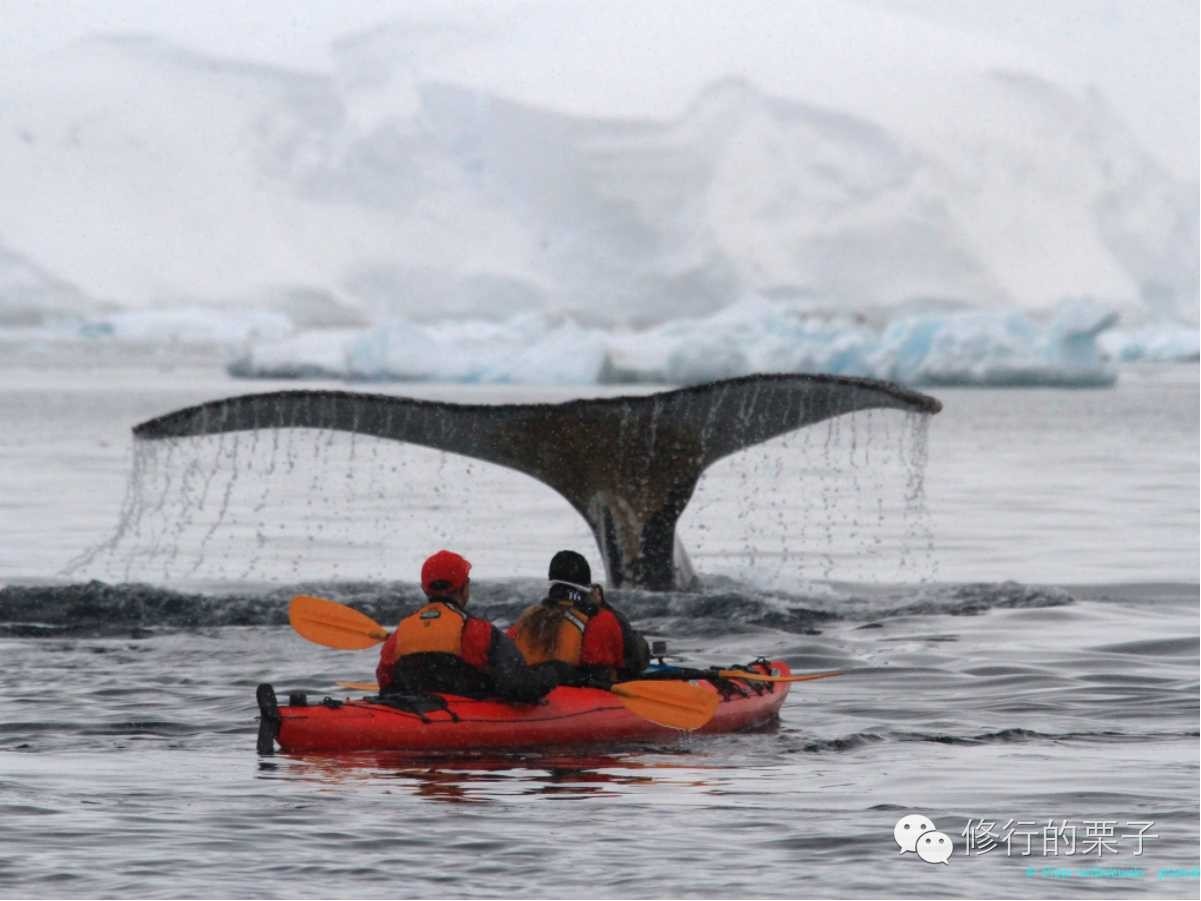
[[382, 220]]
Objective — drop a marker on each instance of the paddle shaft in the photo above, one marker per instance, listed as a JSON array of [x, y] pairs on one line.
[[683, 672]]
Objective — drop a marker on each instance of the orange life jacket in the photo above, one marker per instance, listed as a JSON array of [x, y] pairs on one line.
[[437, 628], [567, 643]]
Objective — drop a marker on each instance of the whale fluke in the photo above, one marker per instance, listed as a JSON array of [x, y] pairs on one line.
[[628, 464]]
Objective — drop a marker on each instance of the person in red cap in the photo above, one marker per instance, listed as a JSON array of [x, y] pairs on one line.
[[440, 648]]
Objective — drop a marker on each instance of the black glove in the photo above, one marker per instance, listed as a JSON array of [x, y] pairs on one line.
[[597, 677], [558, 672]]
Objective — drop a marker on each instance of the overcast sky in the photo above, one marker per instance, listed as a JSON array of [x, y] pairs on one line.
[[1142, 54]]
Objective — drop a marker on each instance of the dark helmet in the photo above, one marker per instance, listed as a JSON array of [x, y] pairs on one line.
[[570, 567]]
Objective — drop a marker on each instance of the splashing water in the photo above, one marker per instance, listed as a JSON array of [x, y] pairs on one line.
[[847, 503], [918, 529]]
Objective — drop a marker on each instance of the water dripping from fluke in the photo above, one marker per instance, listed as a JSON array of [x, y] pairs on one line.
[[628, 465]]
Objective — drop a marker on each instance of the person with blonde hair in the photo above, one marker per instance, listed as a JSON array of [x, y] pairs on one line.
[[575, 633]]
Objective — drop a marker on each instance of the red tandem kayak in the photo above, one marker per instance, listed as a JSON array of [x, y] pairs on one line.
[[566, 716]]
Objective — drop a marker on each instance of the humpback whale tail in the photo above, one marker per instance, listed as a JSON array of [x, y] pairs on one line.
[[628, 465]]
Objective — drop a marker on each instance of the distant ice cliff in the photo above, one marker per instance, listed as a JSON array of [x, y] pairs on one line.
[[1076, 346]]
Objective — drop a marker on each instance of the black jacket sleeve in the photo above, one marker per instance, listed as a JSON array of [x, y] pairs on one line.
[[578, 676], [514, 680]]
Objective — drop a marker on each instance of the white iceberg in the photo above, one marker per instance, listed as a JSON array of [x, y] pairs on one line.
[[956, 347]]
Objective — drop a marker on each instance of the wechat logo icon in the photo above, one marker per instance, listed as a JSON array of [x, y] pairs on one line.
[[917, 833]]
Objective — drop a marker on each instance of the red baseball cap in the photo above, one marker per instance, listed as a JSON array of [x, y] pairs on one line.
[[444, 567]]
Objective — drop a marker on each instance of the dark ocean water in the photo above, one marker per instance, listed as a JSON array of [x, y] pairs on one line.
[[1054, 696], [127, 742]]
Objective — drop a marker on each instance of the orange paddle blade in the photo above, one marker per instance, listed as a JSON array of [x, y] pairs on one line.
[[677, 705], [359, 686], [334, 625], [762, 677]]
